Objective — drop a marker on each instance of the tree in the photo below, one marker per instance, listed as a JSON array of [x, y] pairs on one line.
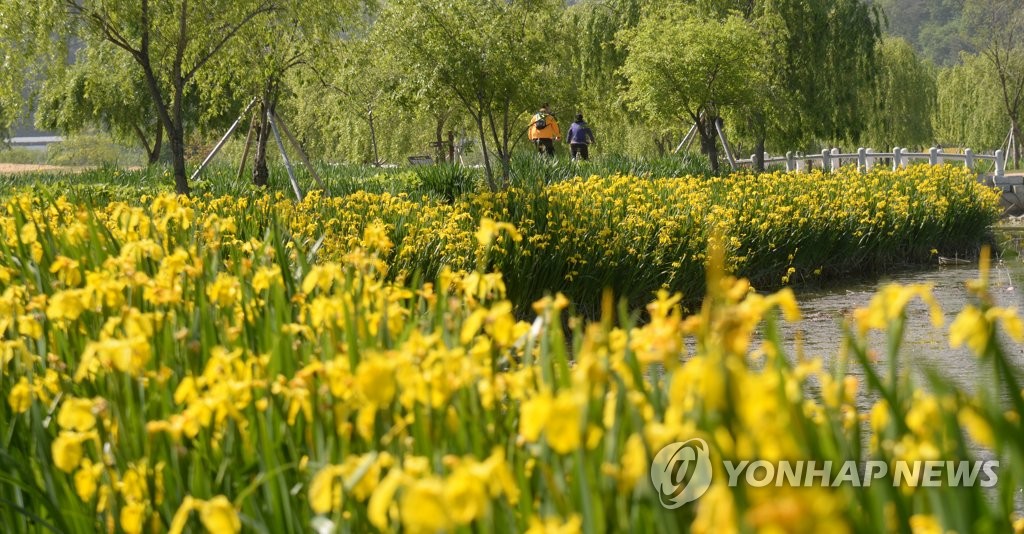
[[903, 100], [295, 35], [995, 29], [101, 89], [828, 62], [689, 66], [170, 41], [489, 55], [365, 78], [17, 64], [591, 59], [969, 110]]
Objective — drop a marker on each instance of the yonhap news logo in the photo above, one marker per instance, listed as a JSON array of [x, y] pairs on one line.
[[681, 472]]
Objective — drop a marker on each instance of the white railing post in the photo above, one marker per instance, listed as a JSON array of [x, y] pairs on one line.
[[897, 158], [790, 163], [836, 163], [870, 159], [825, 161], [969, 159], [933, 156], [862, 160], [1000, 164]]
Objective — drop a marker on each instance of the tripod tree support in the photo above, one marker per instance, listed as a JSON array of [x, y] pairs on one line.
[[284, 154], [302, 153], [248, 145], [220, 143], [686, 139], [725, 144]]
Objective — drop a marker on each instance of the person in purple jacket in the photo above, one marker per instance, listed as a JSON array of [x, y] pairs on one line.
[[579, 138]]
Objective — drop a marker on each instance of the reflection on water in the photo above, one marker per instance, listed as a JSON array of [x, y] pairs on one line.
[[924, 346]]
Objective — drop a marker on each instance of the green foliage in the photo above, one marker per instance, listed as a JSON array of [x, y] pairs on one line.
[[93, 150], [970, 109], [102, 89], [447, 181], [904, 99], [22, 155], [828, 66], [485, 55], [933, 27], [682, 63]]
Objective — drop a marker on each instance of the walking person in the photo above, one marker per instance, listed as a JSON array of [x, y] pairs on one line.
[[544, 131], [580, 137]]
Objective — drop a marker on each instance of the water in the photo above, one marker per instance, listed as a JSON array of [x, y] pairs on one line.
[[924, 346]]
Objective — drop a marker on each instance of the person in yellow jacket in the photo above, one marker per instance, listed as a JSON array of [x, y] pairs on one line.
[[544, 131]]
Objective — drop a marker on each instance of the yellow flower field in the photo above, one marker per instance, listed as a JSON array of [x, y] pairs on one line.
[[180, 365]]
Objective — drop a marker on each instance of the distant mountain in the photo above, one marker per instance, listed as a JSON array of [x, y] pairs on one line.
[[931, 26]]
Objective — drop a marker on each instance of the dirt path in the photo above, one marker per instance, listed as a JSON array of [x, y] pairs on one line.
[[16, 168]]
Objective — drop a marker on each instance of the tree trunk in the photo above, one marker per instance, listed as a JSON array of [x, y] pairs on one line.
[[152, 151], [488, 172], [260, 172], [177, 139], [172, 120], [438, 132], [663, 144], [153, 155], [501, 144], [708, 146], [373, 138], [759, 154]]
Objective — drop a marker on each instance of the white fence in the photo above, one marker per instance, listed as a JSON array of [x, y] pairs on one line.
[[866, 159]]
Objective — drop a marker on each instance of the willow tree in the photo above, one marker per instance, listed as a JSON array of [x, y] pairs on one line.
[[826, 62], [488, 55], [969, 105], [171, 42], [691, 67], [591, 59], [995, 28], [17, 60], [902, 102], [100, 89]]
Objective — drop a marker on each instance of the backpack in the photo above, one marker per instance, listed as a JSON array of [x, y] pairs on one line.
[[541, 121]]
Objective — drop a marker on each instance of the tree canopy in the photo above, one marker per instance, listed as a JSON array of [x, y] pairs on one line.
[[689, 66], [368, 82]]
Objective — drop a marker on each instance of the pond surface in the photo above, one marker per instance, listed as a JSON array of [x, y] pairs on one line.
[[924, 346]]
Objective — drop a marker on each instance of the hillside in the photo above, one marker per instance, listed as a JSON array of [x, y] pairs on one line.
[[931, 26]]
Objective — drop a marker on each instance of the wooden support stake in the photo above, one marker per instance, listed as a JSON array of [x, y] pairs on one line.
[[302, 153], [248, 145], [725, 146], [284, 154], [686, 139], [220, 143]]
